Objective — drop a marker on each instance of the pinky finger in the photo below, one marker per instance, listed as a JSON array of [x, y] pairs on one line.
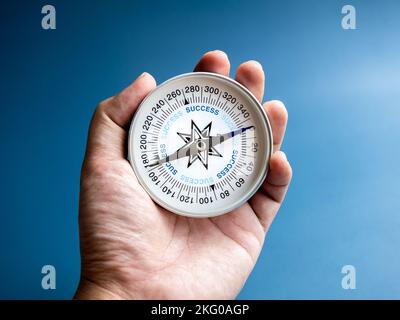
[[267, 201]]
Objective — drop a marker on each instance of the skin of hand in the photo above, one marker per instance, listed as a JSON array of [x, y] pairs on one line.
[[131, 248]]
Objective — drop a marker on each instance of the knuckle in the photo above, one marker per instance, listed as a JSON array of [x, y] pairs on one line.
[[104, 105], [94, 169]]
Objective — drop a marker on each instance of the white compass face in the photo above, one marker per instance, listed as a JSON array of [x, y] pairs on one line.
[[200, 144]]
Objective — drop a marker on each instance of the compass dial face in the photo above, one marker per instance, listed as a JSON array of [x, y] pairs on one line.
[[200, 144]]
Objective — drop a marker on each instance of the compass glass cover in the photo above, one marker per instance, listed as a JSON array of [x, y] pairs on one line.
[[200, 144]]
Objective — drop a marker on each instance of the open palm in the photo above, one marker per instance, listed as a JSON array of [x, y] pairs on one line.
[[132, 248]]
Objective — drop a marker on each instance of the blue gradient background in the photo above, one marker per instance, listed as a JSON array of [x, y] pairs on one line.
[[342, 90]]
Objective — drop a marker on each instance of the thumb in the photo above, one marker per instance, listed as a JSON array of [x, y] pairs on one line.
[[110, 122]]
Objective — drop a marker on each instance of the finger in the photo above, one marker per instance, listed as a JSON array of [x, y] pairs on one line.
[[268, 199], [123, 105], [278, 116], [214, 61], [251, 75], [108, 129]]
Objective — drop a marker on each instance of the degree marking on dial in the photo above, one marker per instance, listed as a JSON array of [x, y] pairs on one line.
[[243, 172], [230, 185], [169, 110], [149, 132], [224, 108], [173, 185], [180, 190], [164, 113], [239, 124], [151, 113], [155, 151], [213, 189], [153, 168], [177, 104], [156, 126], [236, 117], [185, 100], [165, 181], [231, 111], [220, 93]]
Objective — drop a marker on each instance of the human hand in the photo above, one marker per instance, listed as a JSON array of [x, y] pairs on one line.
[[131, 248]]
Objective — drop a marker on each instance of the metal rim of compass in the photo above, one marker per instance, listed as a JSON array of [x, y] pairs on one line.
[[267, 154]]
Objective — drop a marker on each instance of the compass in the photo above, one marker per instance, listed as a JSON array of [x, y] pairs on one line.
[[200, 144]]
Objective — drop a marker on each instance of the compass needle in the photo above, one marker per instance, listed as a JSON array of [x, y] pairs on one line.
[[185, 161]]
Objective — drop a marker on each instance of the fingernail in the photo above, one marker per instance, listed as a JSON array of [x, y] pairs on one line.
[[283, 155], [142, 75]]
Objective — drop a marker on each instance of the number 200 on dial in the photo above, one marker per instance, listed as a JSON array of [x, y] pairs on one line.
[[200, 144]]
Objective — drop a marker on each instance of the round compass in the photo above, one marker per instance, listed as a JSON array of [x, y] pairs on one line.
[[200, 144]]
